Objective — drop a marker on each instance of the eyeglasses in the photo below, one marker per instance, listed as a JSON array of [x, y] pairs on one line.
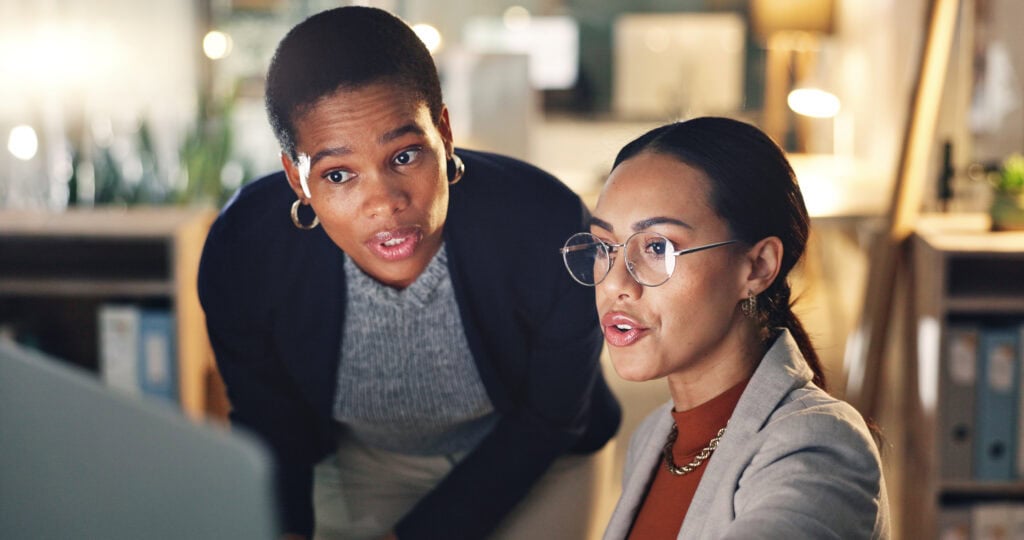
[[650, 257]]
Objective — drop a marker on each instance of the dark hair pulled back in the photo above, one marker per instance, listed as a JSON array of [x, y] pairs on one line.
[[753, 188]]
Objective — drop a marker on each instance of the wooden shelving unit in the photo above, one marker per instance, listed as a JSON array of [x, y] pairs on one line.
[[959, 270], [57, 268]]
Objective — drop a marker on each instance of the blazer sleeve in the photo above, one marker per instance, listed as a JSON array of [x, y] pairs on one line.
[[263, 401], [557, 353], [817, 476]]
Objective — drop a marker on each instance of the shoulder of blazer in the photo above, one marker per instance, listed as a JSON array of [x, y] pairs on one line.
[[507, 213], [508, 194], [257, 246], [504, 216], [279, 280]]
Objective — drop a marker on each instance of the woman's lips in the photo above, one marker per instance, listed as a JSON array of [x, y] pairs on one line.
[[396, 244], [621, 330]]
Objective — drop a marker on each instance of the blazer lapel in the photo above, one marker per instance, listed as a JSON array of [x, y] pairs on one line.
[[639, 473], [781, 370]]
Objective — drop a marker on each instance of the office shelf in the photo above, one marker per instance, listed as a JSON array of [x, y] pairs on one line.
[[57, 269], [960, 273]]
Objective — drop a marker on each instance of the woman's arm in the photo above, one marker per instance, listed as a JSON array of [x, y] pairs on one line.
[[262, 399], [817, 476]]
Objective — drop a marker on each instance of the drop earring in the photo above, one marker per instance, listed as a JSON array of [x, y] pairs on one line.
[[749, 305], [298, 222], [456, 168]]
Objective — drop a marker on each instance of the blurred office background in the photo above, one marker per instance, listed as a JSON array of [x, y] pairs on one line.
[[117, 101], [122, 104]]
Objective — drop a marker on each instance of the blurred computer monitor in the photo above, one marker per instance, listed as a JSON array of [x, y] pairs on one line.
[[673, 65], [551, 44], [78, 460]]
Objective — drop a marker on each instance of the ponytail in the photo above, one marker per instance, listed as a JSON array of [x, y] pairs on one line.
[[778, 313]]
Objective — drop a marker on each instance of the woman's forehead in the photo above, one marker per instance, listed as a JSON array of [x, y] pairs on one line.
[[353, 100], [653, 184], [368, 113]]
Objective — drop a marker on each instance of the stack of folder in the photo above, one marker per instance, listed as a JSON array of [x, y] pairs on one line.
[[137, 350], [981, 425], [980, 414]]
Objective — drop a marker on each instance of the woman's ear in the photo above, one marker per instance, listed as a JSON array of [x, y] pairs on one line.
[[444, 127], [765, 260], [292, 173]]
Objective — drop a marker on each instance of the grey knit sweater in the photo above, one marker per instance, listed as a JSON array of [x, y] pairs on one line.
[[407, 382]]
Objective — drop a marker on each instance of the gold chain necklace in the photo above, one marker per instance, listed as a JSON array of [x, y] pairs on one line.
[[701, 457]]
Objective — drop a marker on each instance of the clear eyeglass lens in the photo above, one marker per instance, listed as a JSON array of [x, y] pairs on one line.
[[651, 258], [648, 257], [586, 258]]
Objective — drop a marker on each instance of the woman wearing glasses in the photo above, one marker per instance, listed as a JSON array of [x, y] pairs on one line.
[[690, 247]]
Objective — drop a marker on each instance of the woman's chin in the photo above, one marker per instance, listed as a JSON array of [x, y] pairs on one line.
[[633, 371]]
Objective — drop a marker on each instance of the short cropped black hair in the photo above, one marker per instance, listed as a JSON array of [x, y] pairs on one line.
[[345, 48]]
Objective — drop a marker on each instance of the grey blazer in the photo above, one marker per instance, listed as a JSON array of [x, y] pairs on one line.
[[794, 463]]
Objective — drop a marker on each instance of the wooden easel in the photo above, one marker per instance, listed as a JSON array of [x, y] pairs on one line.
[[864, 359]]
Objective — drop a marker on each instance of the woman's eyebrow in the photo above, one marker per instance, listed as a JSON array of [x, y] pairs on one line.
[[659, 220], [326, 152], [598, 222], [385, 138], [398, 132]]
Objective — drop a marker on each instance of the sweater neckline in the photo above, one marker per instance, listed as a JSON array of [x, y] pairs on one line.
[[700, 424], [418, 293]]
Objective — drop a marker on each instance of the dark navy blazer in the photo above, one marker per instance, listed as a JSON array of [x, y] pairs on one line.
[[274, 298]]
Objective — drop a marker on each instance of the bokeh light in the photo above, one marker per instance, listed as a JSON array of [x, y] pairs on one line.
[[216, 44], [429, 35], [23, 142]]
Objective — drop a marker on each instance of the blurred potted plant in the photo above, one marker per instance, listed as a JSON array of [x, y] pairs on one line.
[[124, 173], [1007, 210], [205, 151]]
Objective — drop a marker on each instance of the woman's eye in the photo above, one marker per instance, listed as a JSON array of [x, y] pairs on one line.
[[338, 177], [406, 157], [656, 247]]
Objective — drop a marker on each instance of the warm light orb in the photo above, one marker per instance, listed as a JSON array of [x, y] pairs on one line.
[[216, 44], [813, 102], [516, 17], [429, 35], [23, 142]]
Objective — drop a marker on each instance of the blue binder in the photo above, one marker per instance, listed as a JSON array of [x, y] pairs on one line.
[[158, 362], [997, 404], [958, 381]]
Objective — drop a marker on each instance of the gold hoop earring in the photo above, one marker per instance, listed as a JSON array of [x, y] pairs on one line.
[[456, 168], [749, 305], [298, 223]]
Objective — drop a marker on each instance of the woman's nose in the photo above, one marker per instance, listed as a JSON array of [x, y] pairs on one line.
[[386, 196], [619, 282]]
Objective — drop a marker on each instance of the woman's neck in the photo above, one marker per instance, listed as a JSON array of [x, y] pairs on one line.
[[700, 383]]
